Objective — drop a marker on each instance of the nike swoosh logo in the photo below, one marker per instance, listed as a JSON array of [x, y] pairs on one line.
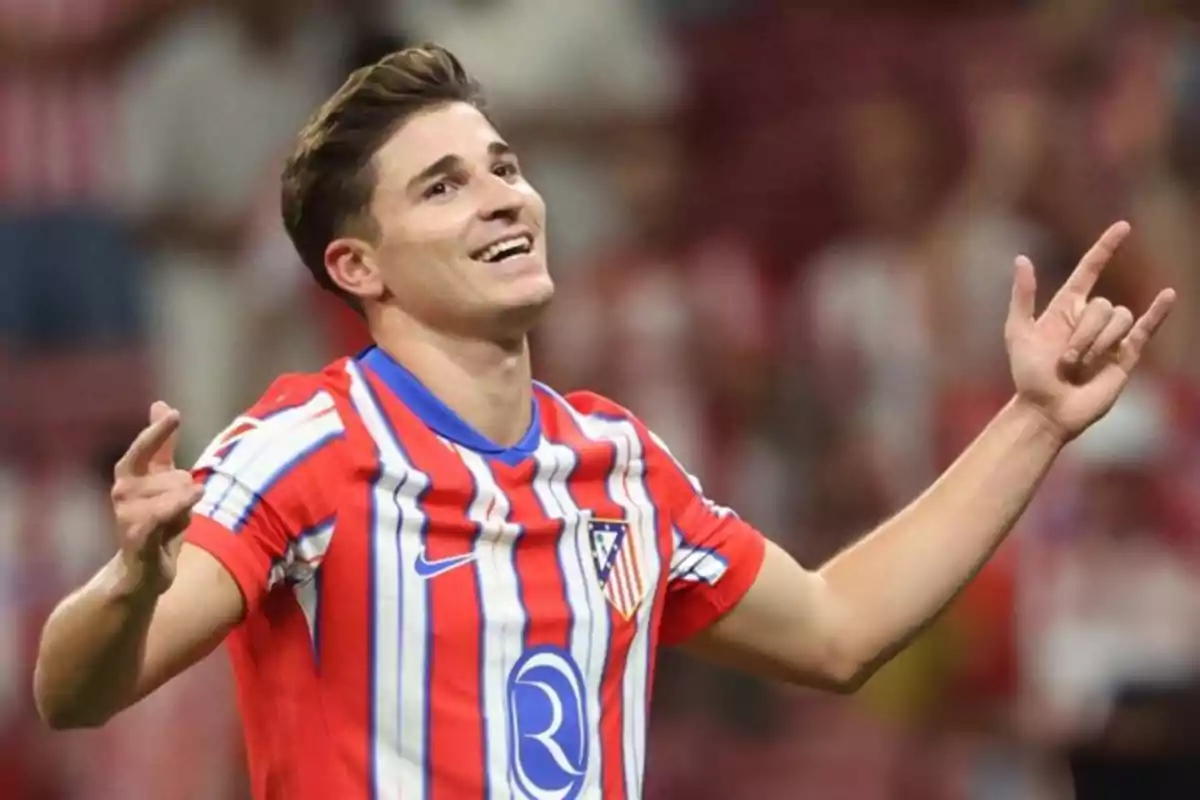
[[431, 569]]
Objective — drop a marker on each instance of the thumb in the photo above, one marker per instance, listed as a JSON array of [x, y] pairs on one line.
[[1024, 294], [164, 457]]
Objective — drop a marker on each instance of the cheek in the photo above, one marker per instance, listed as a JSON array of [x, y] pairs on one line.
[[422, 240], [537, 205]]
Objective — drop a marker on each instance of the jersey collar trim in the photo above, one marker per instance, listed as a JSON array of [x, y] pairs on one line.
[[440, 417]]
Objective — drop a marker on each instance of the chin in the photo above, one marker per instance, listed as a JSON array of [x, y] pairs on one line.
[[523, 306], [535, 289]]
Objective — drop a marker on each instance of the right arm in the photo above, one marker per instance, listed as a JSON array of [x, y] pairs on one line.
[[152, 610], [164, 603], [115, 640]]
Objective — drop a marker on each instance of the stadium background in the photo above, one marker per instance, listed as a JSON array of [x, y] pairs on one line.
[[783, 235]]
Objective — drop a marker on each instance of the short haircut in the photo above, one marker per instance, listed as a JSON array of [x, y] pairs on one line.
[[329, 179]]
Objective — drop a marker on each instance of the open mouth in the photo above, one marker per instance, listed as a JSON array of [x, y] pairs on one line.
[[505, 249]]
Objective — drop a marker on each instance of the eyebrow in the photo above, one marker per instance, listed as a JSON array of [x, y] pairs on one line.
[[450, 162]]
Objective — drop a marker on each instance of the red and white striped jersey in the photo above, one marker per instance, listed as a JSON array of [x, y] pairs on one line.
[[56, 127], [431, 615]]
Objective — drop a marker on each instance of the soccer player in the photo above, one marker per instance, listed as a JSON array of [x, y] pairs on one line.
[[440, 579]]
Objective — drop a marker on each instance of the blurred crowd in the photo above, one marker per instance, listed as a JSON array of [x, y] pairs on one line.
[[783, 234]]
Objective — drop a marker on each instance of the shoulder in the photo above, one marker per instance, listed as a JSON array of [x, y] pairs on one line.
[[329, 387], [297, 416], [593, 404], [598, 415], [583, 407]]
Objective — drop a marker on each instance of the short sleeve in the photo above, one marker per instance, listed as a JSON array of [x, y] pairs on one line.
[[268, 509], [716, 555]]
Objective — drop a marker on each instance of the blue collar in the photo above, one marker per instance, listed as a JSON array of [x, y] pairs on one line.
[[440, 417]]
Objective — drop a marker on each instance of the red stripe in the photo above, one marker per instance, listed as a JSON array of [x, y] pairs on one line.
[[539, 575], [588, 485], [657, 463], [619, 580], [455, 733], [627, 584], [344, 625]]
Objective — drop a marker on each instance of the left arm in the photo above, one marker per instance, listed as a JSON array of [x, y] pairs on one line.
[[836, 627]]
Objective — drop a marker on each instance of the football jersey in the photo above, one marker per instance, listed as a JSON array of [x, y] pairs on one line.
[[431, 615]]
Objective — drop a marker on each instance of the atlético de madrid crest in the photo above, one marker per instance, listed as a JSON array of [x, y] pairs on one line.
[[618, 564]]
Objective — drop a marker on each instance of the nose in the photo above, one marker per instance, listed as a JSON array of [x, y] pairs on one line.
[[500, 200]]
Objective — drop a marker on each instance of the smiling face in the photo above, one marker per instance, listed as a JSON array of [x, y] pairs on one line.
[[459, 240]]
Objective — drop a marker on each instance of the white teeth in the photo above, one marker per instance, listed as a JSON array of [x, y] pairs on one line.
[[494, 251]]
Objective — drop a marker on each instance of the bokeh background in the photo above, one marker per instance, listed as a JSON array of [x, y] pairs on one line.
[[783, 234]]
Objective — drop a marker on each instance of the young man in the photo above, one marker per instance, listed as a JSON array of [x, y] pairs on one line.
[[438, 578]]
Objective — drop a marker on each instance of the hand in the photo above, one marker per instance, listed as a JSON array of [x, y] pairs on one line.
[[1072, 362], [153, 502]]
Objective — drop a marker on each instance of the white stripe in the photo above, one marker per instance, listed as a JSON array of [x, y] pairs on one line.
[[309, 602], [502, 614], [589, 614], [256, 459], [398, 611], [247, 484], [695, 564], [627, 488], [304, 559]]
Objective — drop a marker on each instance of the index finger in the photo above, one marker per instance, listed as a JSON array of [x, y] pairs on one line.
[[1083, 279], [153, 438]]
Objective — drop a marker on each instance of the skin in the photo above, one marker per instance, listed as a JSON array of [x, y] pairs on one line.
[[460, 325]]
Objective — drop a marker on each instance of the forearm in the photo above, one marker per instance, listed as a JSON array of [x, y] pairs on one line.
[[891, 584], [91, 651]]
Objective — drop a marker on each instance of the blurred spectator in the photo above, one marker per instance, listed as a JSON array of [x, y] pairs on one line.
[[279, 289], [1110, 610], [983, 226], [209, 111], [585, 72], [861, 317], [68, 274], [679, 330]]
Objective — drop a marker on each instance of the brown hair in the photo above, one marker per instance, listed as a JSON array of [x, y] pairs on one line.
[[328, 180]]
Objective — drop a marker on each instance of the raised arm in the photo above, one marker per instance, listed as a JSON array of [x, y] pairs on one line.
[[152, 611], [836, 626]]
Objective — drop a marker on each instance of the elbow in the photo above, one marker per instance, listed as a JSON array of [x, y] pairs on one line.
[[55, 713], [62, 719], [847, 677], [844, 668], [850, 681], [830, 671]]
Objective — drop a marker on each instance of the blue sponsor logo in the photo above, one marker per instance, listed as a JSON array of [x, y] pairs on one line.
[[547, 724]]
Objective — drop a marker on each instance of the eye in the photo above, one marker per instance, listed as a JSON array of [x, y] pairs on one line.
[[506, 169], [436, 190]]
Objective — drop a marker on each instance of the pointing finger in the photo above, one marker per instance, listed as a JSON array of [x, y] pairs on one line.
[[164, 456], [1083, 279], [154, 437]]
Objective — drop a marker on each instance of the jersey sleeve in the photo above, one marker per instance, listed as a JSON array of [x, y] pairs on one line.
[[716, 555], [268, 509]]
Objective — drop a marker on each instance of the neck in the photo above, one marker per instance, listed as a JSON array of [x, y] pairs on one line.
[[488, 384]]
